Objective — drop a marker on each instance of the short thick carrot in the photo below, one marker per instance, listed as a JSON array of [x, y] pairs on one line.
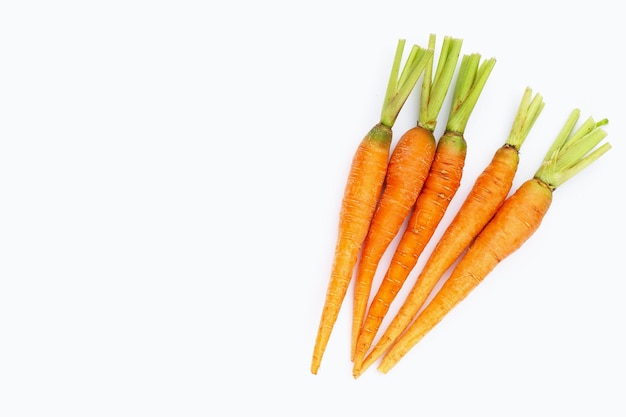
[[443, 181], [487, 194], [513, 224], [363, 187], [408, 168]]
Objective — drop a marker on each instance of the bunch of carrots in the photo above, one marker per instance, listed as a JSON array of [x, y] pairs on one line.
[[415, 182]]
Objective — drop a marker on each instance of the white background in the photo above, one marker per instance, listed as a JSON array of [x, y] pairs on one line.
[[170, 180]]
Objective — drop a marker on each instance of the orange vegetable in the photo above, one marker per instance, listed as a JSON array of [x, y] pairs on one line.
[[406, 173], [513, 224], [482, 202], [443, 181], [363, 188]]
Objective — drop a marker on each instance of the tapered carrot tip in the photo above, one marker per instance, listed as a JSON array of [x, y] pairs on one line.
[[385, 367]]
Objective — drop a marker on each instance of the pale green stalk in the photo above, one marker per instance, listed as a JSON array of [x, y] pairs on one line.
[[470, 82], [572, 151], [399, 87], [434, 90], [525, 118]]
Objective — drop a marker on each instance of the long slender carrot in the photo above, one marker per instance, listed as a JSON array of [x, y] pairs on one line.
[[513, 224], [407, 170], [487, 194], [363, 187], [443, 181]]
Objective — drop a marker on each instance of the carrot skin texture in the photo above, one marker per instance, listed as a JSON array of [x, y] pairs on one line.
[[514, 223], [487, 195], [363, 187], [407, 170], [483, 200], [444, 179]]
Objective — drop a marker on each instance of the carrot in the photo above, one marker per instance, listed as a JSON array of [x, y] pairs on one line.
[[406, 172], [438, 190], [363, 187], [513, 224], [482, 202]]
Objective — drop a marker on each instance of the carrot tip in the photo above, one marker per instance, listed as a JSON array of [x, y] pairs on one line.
[[314, 370]]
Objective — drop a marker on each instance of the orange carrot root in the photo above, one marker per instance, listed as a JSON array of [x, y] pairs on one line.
[[406, 173], [363, 187], [516, 221], [408, 169], [442, 183], [364, 184], [487, 194], [513, 224]]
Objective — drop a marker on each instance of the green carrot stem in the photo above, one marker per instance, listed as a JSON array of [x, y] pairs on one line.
[[573, 150], [525, 118], [434, 91], [399, 87], [470, 82]]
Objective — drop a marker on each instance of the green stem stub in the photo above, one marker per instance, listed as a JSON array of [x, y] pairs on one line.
[[573, 150], [380, 134], [435, 89], [469, 85], [527, 114], [402, 83]]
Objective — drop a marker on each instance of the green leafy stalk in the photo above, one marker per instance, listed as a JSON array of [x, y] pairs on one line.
[[470, 82], [572, 151], [399, 87], [527, 114], [434, 91]]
